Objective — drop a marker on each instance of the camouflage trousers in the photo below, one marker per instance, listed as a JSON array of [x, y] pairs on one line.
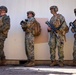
[[74, 50], [56, 42], [2, 55], [29, 46]]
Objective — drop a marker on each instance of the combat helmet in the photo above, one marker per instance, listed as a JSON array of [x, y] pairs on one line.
[[31, 12], [4, 8], [55, 8]]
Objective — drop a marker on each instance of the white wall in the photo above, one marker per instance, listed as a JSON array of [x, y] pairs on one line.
[[14, 45]]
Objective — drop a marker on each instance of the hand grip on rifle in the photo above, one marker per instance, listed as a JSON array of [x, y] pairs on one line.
[[51, 26], [70, 24], [22, 22]]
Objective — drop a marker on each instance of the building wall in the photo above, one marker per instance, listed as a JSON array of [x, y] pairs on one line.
[[14, 44]]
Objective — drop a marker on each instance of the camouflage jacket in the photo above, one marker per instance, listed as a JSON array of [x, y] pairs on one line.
[[5, 26], [59, 21], [28, 27]]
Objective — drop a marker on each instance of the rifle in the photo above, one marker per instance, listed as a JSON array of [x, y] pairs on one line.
[[72, 24], [54, 30]]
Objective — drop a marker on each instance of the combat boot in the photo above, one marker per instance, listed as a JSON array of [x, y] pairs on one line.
[[74, 63], [0, 62], [60, 64], [30, 64], [53, 63], [3, 63]]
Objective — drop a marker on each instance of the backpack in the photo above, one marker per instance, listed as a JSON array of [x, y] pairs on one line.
[[37, 28], [63, 25], [63, 29]]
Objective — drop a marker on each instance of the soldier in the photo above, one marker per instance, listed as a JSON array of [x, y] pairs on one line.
[[29, 37], [73, 29], [74, 51], [4, 27], [57, 41]]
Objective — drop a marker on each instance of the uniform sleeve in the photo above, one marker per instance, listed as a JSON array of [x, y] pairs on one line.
[[63, 23], [62, 19], [64, 27], [6, 24]]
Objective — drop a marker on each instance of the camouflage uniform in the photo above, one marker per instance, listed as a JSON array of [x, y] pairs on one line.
[[4, 27], [74, 50], [73, 29], [29, 45], [57, 41], [29, 39]]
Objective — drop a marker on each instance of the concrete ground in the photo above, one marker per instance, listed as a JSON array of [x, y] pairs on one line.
[[37, 70]]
